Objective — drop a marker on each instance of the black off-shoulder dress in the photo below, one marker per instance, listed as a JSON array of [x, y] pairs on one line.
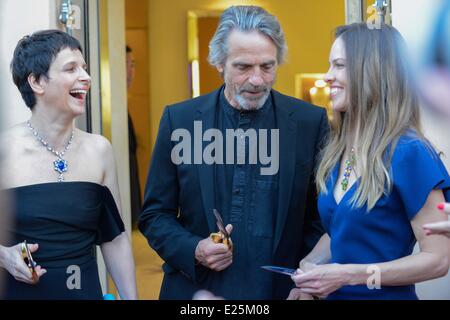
[[67, 220]]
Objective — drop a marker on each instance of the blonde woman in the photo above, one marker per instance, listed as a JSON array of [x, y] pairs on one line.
[[379, 179]]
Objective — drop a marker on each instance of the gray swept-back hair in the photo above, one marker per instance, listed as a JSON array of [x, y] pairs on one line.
[[245, 19]]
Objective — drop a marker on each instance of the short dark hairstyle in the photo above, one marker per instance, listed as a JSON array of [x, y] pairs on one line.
[[128, 49], [34, 54]]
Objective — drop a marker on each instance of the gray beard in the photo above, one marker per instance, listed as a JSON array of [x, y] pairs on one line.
[[243, 103]]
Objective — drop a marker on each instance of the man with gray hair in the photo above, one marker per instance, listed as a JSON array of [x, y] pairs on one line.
[[271, 213]]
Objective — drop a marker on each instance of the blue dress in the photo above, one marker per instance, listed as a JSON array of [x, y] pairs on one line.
[[67, 220], [384, 233]]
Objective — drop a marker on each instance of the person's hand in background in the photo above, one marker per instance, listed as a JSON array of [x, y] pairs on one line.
[[442, 228], [205, 295]]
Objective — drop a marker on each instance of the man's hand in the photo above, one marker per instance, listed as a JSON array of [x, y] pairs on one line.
[[215, 256]]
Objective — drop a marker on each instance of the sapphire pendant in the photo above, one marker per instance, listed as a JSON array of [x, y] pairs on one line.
[[60, 165]]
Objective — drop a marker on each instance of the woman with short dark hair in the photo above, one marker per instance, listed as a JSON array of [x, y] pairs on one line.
[[63, 181]]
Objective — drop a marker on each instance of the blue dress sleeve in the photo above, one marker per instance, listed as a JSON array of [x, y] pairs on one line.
[[110, 223], [417, 170]]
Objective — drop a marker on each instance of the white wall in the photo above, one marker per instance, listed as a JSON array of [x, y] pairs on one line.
[[118, 94], [414, 20], [17, 18]]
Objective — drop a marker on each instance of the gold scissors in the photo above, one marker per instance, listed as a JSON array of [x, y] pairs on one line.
[[28, 258], [222, 236]]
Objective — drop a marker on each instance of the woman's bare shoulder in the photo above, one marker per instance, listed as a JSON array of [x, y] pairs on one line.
[[17, 130], [94, 142], [13, 135]]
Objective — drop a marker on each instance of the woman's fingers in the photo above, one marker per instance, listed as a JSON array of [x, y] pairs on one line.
[[40, 271], [444, 206], [19, 269], [21, 272], [303, 277], [33, 247], [437, 228]]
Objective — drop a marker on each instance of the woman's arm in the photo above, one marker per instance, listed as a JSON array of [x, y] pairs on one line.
[[118, 253], [320, 254], [431, 262], [120, 264]]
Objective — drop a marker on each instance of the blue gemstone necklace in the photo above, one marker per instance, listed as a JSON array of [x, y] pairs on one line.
[[60, 165]]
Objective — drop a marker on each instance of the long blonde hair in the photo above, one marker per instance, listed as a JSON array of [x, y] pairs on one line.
[[382, 107]]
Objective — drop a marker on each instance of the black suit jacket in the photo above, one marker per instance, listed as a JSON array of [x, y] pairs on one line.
[[177, 211]]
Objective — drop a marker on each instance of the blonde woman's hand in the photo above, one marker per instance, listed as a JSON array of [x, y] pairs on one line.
[[306, 266], [296, 293], [321, 280]]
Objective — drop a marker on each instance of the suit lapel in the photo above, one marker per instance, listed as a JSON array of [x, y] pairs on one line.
[[287, 130], [205, 112]]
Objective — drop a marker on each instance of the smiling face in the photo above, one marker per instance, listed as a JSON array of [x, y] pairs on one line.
[[67, 84], [336, 76], [250, 69]]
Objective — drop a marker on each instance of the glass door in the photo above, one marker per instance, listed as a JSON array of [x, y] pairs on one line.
[[79, 19]]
